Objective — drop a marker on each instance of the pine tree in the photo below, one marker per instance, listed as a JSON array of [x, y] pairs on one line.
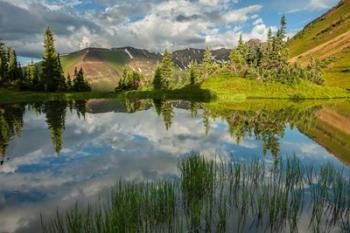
[[50, 69], [157, 80], [12, 65], [280, 43], [79, 83], [238, 57], [241, 47], [207, 62], [267, 52], [60, 75], [166, 70], [237, 61], [35, 77], [3, 63], [69, 83], [193, 73]]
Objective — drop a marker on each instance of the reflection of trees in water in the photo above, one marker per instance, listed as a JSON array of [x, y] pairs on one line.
[[164, 108], [266, 125], [11, 124], [55, 118], [11, 120]]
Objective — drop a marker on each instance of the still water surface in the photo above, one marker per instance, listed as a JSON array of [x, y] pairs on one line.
[[56, 153]]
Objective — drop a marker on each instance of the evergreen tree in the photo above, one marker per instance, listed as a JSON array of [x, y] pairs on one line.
[[242, 47], [267, 52], [51, 71], [238, 59], [3, 63], [69, 83], [35, 77], [79, 83], [207, 62], [281, 49], [166, 70], [193, 73], [157, 80], [60, 75], [12, 65]]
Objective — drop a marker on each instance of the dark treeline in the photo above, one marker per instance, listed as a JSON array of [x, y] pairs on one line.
[[46, 76], [11, 120]]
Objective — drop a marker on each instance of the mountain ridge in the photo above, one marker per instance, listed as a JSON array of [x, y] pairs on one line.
[[103, 67]]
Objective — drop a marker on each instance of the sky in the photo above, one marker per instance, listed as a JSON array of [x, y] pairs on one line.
[[149, 24]]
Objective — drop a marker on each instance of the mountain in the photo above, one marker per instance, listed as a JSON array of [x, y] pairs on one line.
[[103, 67], [327, 38]]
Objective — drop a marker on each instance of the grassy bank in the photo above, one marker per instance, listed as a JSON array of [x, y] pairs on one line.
[[228, 88], [185, 93], [10, 96], [211, 196]]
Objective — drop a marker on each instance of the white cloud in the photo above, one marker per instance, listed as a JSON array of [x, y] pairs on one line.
[[151, 25]]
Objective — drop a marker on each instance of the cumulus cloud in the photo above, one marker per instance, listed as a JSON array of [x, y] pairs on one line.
[[152, 25]]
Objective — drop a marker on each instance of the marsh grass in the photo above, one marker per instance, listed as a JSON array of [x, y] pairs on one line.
[[212, 196]]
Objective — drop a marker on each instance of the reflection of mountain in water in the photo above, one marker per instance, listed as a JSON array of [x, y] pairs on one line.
[[332, 130]]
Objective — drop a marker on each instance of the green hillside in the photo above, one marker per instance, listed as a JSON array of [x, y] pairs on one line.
[[327, 38], [325, 28]]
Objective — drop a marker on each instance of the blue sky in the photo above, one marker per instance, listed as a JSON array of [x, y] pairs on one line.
[[151, 24]]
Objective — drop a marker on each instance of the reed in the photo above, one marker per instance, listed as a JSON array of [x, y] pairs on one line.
[[211, 196]]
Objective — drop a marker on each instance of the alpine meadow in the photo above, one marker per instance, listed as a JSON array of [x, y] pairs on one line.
[[175, 116]]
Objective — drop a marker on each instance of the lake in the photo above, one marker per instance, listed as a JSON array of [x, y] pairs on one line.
[[59, 152]]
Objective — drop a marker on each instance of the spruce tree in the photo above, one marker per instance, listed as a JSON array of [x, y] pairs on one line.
[[12, 65], [3, 63], [79, 83], [69, 83], [193, 73], [207, 62], [157, 79], [281, 49], [60, 75], [35, 77], [166, 70], [50, 69]]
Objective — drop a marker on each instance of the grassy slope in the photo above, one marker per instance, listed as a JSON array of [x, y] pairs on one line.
[[321, 39], [68, 61], [338, 73], [332, 24], [234, 88]]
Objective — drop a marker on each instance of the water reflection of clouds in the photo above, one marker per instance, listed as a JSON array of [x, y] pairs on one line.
[[103, 147]]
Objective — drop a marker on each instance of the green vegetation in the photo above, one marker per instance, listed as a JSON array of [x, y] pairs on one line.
[[69, 61], [326, 38], [15, 96], [229, 196], [325, 28], [186, 93], [229, 88], [131, 80], [256, 70], [50, 76]]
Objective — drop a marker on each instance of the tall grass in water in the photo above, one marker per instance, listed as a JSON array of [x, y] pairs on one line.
[[214, 196]]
